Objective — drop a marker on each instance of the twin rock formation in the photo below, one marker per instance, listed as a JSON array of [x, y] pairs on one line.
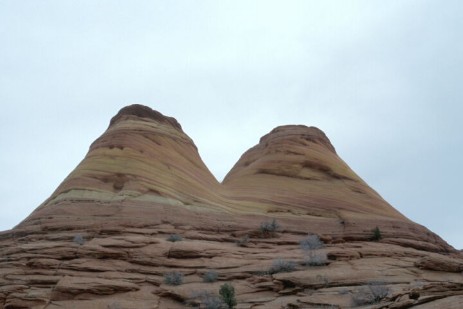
[[101, 240]]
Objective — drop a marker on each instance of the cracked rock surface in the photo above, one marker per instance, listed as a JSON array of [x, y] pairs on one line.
[[141, 222]]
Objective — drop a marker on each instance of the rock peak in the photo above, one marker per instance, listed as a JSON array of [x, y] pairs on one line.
[[143, 111], [101, 239], [298, 133]]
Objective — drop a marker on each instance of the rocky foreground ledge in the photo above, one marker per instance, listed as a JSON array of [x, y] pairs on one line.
[[142, 223]]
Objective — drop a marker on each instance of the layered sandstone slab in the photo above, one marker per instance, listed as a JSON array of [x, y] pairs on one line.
[[102, 238], [296, 169]]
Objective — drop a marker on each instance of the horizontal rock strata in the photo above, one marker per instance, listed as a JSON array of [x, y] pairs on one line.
[[142, 213]]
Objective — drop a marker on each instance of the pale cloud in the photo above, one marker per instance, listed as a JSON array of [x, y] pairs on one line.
[[381, 78]]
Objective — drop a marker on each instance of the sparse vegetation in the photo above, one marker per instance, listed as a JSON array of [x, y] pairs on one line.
[[372, 294], [227, 292], [310, 245], [173, 278], [206, 300], [376, 234], [269, 227], [174, 238], [79, 239], [243, 241], [311, 242], [210, 276], [316, 259], [378, 290], [209, 300], [282, 266]]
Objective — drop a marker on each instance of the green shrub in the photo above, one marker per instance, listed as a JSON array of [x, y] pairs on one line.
[[173, 278], [210, 276], [174, 238], [227, 292], [282, 266], [376, 234]]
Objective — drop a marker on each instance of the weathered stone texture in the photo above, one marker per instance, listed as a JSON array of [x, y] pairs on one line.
[[102, 239]]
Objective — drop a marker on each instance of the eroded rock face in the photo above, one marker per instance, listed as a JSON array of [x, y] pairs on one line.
[[142, 205]]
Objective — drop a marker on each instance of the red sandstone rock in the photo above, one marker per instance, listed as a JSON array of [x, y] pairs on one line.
[[102, 238]]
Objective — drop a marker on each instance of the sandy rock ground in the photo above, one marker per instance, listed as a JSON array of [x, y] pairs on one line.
[[142, 223]]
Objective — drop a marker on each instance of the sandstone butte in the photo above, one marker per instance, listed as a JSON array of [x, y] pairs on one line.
[[104, 239]]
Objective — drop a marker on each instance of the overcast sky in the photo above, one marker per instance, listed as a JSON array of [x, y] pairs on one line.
[[383, 79]]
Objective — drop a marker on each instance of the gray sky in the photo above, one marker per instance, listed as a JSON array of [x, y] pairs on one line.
[[381, 78]]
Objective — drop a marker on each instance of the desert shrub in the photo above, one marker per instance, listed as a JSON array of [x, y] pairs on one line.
[[311, 242], [173, 278], [243, 241], [316, 259], [376, 234], [211, 301], [310, 245], [360, 299], [227, 292], [269, 227], [208, 300], [174, 238], [79, 239], [210, 276], [282, 266], [374, 293], [378, 290]]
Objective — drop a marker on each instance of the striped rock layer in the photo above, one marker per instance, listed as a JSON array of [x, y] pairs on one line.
[[106, 237]]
